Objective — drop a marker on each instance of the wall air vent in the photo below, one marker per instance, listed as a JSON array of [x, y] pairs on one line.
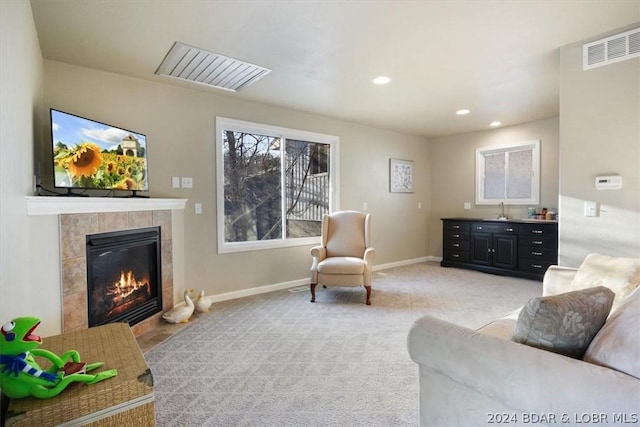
[[611, 49], [200, 66]]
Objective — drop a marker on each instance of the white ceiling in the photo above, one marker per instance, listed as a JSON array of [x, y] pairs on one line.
[[500, 59]]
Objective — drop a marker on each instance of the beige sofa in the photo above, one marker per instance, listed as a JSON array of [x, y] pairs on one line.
[[482, 377]]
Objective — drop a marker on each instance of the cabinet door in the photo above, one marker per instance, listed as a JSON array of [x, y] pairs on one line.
[[505, 251], [481, 249]]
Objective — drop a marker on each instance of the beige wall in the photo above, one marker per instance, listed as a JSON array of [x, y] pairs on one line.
[[453, 173], [179, 124], [21, 120], [599, 135]]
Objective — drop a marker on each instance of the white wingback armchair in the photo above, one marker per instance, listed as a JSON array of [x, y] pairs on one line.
[[345, 257]]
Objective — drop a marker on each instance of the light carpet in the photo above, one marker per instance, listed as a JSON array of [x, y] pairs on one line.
[[276, 359]]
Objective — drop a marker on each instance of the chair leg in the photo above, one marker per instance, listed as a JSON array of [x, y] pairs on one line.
[[368, 288], [313, 292]]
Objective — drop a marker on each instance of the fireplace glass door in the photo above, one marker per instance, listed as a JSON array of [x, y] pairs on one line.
[[124, 276]]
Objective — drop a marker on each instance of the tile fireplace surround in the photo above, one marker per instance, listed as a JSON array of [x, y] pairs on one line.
[[80, 217]]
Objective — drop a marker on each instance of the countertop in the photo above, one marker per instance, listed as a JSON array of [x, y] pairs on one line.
[[519, 221]]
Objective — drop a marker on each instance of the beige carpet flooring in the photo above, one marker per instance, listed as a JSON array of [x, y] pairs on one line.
[[278, 360]]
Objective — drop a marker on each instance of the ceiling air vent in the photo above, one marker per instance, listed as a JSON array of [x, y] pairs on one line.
[[611, 49], [200, 66]]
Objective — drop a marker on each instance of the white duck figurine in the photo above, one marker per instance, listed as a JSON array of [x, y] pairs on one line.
[[203, 304], [180, 314]]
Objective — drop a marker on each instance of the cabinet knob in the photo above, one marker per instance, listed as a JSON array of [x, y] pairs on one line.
[[478, 227], [536, 266], [536, 242], [536, 231], [456, 227], [456, 235], [536, 253], [509, 229], [456, 245], [456, 256]]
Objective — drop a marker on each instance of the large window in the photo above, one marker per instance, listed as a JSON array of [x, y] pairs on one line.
[[508, 174], [274, 185]]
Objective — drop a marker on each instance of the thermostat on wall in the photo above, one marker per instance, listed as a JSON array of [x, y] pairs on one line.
[[611, 182]]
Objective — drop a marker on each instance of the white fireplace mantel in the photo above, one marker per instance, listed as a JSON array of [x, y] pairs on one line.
[[46, 205]]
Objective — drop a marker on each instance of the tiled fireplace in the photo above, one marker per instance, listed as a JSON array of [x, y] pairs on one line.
[[74, 229], [79, 217]]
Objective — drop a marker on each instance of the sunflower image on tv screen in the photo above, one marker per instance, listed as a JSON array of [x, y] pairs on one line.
[[90, 154]]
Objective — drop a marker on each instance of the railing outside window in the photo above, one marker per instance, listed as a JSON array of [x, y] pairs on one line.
[[274, 185]]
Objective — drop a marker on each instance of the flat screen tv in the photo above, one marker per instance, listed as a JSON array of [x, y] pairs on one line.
[[92, 155]]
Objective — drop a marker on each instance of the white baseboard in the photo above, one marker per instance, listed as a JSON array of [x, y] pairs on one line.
[[405, 262], [300, 282], [259, 290]]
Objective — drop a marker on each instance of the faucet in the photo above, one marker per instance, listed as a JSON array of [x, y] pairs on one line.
[[502, 215]]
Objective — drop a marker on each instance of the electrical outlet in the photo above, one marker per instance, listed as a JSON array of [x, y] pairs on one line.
[[467, 205], [198, 209], [187, 182], [364, 206]]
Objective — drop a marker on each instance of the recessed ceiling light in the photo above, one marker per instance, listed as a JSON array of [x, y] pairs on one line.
[[463, 112], [495, 124], [381, 80]]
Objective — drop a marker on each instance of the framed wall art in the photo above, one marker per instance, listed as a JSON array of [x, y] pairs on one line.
[[400, 176]]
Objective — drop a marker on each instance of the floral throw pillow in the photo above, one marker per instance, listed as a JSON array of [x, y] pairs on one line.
[[564, 323]]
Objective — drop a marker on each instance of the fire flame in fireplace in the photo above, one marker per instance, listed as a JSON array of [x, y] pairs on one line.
[[127, 285]]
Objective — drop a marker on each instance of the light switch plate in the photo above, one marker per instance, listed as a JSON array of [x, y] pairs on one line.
[[198, 208], [467, 205], [187, 182], [591, 208], [175, 182]]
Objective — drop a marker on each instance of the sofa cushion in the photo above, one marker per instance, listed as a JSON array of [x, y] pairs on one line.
[[564, 323], [621, 275], [617, 344], [501, 328]]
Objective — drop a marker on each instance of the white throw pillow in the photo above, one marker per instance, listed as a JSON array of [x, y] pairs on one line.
[[621, 275], [617, 344]]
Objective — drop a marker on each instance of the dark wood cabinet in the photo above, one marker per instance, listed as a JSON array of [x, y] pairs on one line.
[[456, 241], [494, 245], [516, 248], [538, 247]]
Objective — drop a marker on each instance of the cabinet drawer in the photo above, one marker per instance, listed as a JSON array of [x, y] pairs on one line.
[[538, 242], [456, 245], [456, 226], [540, 230], [455, 235], [539, 253], [534, 265], [459, 256], [482, 227]]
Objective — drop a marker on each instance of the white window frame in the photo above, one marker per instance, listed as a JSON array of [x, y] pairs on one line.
[[225, 124], [508, 148]]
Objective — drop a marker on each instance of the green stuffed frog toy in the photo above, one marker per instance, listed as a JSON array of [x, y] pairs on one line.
[[20, 374]]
